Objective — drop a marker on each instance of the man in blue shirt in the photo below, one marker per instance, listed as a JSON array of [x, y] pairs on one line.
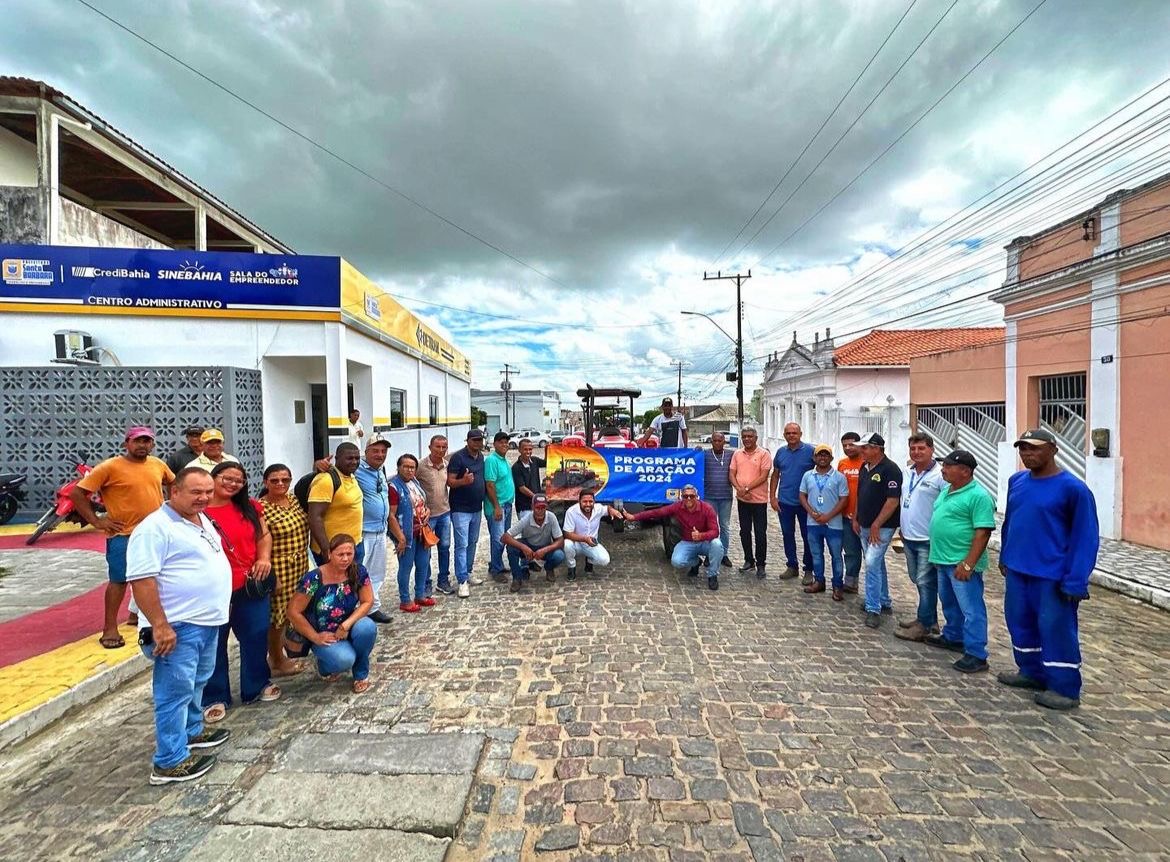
[[371, 478], [466, 480], [1050, 542], [824, 495], [791, 463], [717, 487]]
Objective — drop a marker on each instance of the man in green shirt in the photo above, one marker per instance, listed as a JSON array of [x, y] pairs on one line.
[[960, 528], [497, 504]]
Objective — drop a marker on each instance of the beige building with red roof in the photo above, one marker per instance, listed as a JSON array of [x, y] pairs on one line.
[[862, 385]]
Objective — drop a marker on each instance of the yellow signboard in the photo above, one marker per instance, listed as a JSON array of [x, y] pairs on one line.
[[367, 303]]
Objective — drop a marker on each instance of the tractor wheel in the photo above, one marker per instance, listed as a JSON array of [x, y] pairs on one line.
[[671, 536]]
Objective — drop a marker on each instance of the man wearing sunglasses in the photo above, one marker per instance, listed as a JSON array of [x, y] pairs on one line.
[[699, 526]]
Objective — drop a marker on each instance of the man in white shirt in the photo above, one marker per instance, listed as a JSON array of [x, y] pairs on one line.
[[182, 582], [922, 485], [356, 431], [582, 522]]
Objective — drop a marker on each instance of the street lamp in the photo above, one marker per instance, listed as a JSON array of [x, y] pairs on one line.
[[738, 344]]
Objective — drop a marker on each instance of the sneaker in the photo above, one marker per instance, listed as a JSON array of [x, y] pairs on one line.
[[725, 563], [712, 583], [789, 573], [409, 608], [1052, 700], [693, 571], [211, 737], [760, 573], [815, 587], [464, 591], [1018, 680], [445, 589], [380, 617], [195, 766], [425, 602], [572, 575], [588, 568], [748, 567], [474, 581], [516, 585], [942, 643], [873, 620], [916, 631], [808, 578], [970, 664]]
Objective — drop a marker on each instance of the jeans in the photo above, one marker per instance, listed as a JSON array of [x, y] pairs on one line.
[[374, 543], [417, 559], [818, 536], [495, 531], [248, 619], [1043, 627], [753, 518], [519, 565], [851, 545], [177, 687], [116, 558], [965, 612], [790, 518], [926, 578], [465, 526], [353, 652], [595, 554], [686, 555], [723, 512], [441, 524], [877, 580]]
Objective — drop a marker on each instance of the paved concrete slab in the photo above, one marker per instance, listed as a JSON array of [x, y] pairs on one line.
[[271, 844], [409, 803], [384, 753]]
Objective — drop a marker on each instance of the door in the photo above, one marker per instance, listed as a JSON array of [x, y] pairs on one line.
[[319, 407]]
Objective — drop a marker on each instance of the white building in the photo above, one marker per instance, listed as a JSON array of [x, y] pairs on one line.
[[171, 293], [519, 409], [862, 386]]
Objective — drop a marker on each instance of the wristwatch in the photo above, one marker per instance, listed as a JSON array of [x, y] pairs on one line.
[[964, 566]]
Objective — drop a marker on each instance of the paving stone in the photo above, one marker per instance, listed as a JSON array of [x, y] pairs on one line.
[[662, 835], [749, 819], [509, 801], [564, 837], [584, 791], [593, 813], [271, 844], [625, 788], [521, 771], [648, 766], [666, 788], [610, 833], [544, 813], [481, 798], [415, 803], [387, 754], [703, 789]]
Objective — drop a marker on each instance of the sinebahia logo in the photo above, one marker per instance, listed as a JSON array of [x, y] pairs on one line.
[[190, 270], [24, 271]]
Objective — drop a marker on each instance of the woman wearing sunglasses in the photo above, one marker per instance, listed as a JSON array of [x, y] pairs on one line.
[[240, 522]]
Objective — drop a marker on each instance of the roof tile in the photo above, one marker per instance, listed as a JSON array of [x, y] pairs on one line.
[[899, 346]]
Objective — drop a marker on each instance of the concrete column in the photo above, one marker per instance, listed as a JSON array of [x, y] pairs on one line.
[[48, 172], [200, 226], [337, 383], [1007, 452], [1103, 475]]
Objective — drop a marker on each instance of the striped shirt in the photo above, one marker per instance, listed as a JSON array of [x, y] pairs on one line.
[[716, 479]]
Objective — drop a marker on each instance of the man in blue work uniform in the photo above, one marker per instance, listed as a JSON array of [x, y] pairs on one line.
[[792, 462], [1050, 542]]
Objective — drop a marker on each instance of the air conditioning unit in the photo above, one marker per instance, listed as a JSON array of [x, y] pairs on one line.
[[75, 348]]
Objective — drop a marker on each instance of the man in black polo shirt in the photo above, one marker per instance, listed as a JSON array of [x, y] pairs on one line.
[[526, 477], [879, 494], [465, 479]]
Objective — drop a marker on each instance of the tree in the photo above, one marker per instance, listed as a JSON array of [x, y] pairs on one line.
[[649, 415], [478, 417]]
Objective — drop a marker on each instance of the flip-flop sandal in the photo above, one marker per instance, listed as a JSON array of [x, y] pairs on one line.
[[361, 686], [270, 693], [298, 667], [215, 713], [113, 643]]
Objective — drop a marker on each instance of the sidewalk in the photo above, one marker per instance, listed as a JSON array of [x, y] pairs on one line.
[[51, 599]]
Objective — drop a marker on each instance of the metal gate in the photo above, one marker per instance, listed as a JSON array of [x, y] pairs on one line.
[[978, 428], [1063, 411]]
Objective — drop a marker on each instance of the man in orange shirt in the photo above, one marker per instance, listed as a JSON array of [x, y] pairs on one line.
[[850, 465], [750, 468], [131, 488]]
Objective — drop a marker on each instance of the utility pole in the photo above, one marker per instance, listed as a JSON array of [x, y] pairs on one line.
[[680, 366], [739, 280], [506, 386]]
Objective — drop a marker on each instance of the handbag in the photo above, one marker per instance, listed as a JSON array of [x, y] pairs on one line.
[[259, 588], [427, 536]]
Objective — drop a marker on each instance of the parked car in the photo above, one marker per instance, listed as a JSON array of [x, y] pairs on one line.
[[556, 436], [538, 438]]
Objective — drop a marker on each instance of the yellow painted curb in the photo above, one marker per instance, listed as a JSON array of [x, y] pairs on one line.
[[28, 684], [25, 529]]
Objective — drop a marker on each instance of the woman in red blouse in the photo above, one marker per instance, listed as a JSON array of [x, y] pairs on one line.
[[248, 545]]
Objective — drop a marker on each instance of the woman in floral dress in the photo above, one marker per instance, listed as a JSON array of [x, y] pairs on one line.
[[289, 526]]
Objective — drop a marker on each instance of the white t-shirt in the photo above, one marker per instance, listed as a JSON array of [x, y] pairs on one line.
[[675, 425], [193, 573], [576, 522], [356, 434], [919, 491]]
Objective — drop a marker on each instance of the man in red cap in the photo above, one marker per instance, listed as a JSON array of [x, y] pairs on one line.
[[131, 488]]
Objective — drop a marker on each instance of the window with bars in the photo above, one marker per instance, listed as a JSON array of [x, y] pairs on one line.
[[1063, 400]]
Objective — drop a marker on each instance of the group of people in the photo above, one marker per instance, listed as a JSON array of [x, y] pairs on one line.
[[847, 516]]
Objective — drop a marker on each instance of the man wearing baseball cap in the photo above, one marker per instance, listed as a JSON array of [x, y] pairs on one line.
[[961, 524], [824, 494], [879, 496], [131, 488], [535, 538], [181, 458], [465, 478], [1050, 542], [212, 453]]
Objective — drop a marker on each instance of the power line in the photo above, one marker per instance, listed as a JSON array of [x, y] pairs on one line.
[[323, 148]]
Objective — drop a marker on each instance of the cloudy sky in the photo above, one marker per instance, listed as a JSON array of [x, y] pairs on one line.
[[616, 149]]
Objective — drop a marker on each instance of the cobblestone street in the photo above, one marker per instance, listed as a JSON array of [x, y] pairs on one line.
[[636, 715]]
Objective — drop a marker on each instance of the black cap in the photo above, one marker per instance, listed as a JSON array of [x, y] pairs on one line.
[[501, 435], [1036, 437], [192, 430], [873, 439], [474, 434], [960, 457]]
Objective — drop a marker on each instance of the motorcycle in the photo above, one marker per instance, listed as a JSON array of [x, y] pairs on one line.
[[11, 495], [63, 509]]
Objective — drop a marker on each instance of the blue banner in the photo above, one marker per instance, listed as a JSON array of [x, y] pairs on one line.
[[629, 475], [109, 279]]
